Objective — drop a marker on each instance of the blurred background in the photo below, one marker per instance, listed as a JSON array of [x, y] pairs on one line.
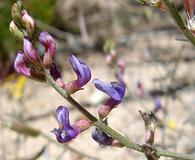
[[159, 75]]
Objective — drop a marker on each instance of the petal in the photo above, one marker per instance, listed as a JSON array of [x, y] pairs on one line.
[[29, 51], [48, 42], [61, 136], [114, 90], [81, 69], [101, 137], [20, 65], [119, 87], [28, 22], [62, 116], [55, 73]]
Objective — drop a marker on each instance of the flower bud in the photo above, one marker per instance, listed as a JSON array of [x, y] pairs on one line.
[[29, 51], [15, 30], [16, 11], [28, 23], [50, 48], [21, 66]]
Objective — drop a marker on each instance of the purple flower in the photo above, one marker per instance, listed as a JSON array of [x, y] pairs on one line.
[[50, 48], [20, 65], [115, 90], [66, 131], [101, 137], [29, 51], [83, 75]]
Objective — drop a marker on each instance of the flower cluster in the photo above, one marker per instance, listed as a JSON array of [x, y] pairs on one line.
[[29, 63], [36, 66]]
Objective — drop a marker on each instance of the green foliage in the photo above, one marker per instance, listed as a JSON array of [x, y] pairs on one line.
[[42, 10], [7, 43]]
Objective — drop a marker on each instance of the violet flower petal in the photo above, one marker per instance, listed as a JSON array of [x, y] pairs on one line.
[[62, 116], [115, 90], [81, 69], [65, 132], [83, 75], [101, 137], [55, 73]]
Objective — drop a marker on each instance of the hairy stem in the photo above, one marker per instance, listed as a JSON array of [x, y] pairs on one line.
[[123, 140]]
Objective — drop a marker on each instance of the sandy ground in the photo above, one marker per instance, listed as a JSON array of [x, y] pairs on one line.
[[138, 54]]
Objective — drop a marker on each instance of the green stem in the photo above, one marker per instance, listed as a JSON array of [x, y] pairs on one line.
[[115, 135], [178, 20]]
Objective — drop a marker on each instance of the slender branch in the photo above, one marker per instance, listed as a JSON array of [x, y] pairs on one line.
[[123, 140], [178, 20]]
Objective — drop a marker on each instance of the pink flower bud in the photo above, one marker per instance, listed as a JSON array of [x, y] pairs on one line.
[[50, 48], [29, 23], [29, 51], [20, 65], [15, 30]]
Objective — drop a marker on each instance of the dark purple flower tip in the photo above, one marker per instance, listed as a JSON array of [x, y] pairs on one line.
[[115, 90], [54, 71], [101, 137], [65, 132], [83, 75], [20, 65], [29, 51]]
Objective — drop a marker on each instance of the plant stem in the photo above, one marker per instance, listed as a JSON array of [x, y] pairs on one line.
[[178, 20], [100, 125]]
